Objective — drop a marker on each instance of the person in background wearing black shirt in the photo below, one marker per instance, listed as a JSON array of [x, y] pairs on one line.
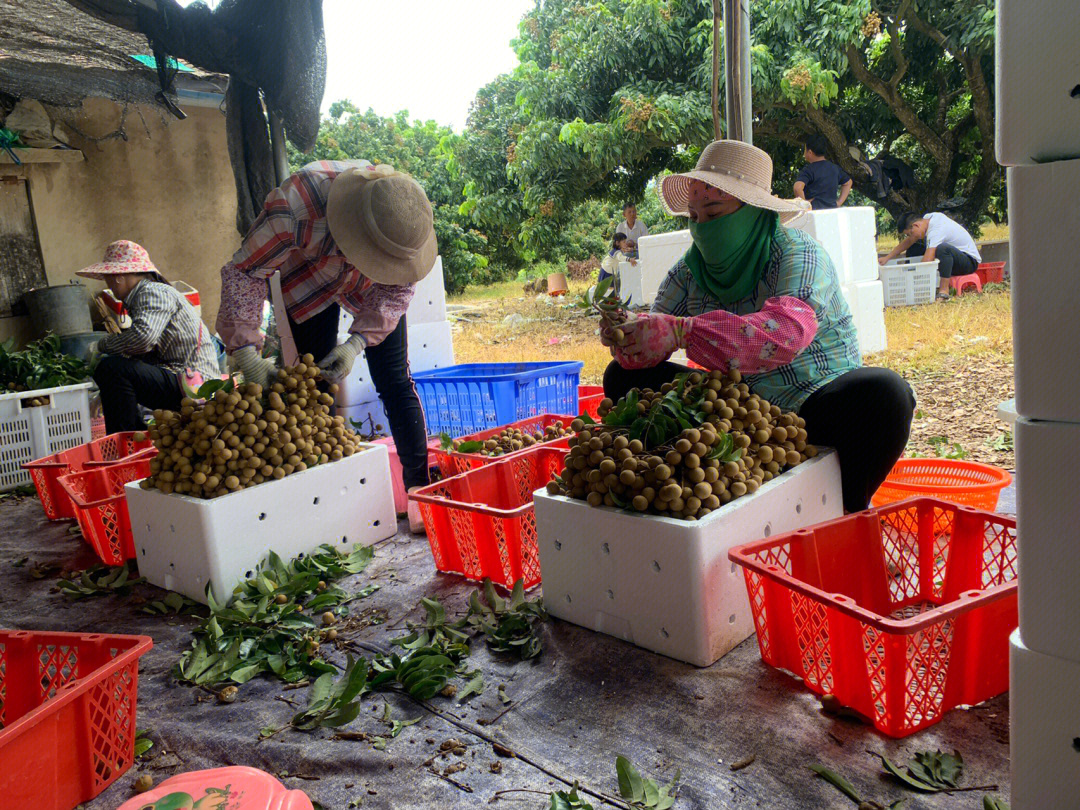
[[820, 179]]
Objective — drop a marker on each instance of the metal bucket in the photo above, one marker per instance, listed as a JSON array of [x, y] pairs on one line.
[[63, 309]]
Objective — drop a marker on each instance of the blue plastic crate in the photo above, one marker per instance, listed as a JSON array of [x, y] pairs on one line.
[[463, 399]]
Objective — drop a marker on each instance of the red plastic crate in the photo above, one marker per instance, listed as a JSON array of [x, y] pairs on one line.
[[991, 272], [102, 510], [454, 463], [589, 399], [902, 612], [67, 715], [481, 523], [116, 448]]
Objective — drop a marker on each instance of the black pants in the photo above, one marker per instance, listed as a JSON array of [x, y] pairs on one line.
[[951, 261], [127, 383], [389, 366], [865, 415]]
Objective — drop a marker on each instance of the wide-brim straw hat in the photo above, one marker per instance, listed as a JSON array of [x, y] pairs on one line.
[[383, 222], [742, 170], [122, 257]]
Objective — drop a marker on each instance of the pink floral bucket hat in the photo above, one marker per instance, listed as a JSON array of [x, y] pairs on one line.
[[122, 257]]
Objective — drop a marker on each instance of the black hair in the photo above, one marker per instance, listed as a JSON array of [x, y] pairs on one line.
[[817, 144], [905, 220], [619, 237], [629, 205]]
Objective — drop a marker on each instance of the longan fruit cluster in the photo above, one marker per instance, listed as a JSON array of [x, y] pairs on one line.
[[685, 477], [514, 439], [242, 438]]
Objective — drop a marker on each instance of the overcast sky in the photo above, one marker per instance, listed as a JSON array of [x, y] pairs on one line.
[[425, 56]]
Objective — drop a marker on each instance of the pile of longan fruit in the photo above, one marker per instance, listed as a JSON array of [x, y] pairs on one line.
[[678, 478], [511, 440], [242, 438]]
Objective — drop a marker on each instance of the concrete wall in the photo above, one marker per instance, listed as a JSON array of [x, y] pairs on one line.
[[169, 187]]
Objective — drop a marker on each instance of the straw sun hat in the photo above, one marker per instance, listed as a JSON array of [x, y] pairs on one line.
[[742, 170], [382, 221]]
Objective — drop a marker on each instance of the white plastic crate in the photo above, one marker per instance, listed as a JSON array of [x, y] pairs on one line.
[[428, 304], [1044, 211], [30, 433], [657, 254], [431, 345], [908, 282], [866, 300], [666, 584], [1038, 67], [183, 543], [1044, 728], [1047, 516]]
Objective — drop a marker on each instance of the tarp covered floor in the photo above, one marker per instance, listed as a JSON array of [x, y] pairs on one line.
[[588, 698]]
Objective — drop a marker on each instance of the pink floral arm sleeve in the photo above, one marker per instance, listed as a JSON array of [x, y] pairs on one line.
[[240, 315], [377, 310], [761, 341]]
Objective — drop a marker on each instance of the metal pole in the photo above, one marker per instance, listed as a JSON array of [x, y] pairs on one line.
[[716, 18], [277, 146], [737, 70]]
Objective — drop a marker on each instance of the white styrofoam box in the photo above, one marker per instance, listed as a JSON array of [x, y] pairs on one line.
[[666, 584], [1044, 728], [29, 433], [909, 281], [1047, 517], [1044, 211], [630, 284], [848, 235], [431, 346], [657, 254], [1038, 67], [428, 304], [866, 300], [183, 543]]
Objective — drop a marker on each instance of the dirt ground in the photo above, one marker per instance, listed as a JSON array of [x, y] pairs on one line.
[[957, 356]]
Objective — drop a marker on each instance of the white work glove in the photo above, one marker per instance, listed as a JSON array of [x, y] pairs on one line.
[[341, 358], [255, 369]]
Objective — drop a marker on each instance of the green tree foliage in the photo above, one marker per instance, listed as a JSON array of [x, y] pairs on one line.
[[611, 93], [417, 148]]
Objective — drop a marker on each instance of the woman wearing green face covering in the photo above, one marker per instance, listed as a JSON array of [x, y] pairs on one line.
[[754, 296]]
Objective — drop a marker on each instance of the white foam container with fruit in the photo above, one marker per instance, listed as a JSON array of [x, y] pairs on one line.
[[245, 473], [623, 553]]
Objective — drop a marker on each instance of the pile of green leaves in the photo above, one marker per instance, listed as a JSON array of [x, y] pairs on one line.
[[334, 703], [508, 625], [40, 365], [637, 791], [99, 580], [449, 638], [644, 793], [264, 627], [421, 673]]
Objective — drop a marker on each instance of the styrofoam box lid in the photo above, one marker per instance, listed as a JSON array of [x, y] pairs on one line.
[[661, 239]]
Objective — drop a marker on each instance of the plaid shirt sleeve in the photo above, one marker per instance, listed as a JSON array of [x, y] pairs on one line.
[[151, 310], [275, 242], [753, 343]]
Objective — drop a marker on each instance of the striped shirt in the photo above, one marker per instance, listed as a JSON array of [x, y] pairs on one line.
[[291, 236], [165, 330], [798, 268]]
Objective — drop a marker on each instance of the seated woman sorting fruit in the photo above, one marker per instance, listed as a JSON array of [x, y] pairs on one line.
[[762, 302]]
